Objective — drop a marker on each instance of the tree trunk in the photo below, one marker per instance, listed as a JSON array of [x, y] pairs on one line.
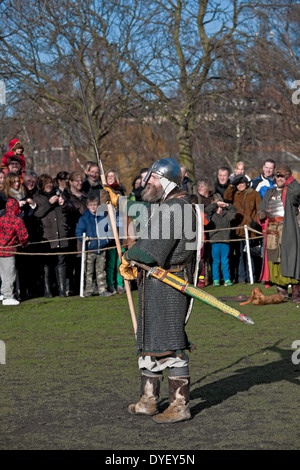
[[183, 134]]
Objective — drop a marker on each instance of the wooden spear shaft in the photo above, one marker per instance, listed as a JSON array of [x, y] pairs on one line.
[[111, 215]]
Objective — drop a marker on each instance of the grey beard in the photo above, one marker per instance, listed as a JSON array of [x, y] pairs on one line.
[[152, 194]]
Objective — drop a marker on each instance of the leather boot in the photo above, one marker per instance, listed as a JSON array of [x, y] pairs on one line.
[[283, 291], [295, 293], [179, 397], [61, 280], [147, 405], [47, 282]]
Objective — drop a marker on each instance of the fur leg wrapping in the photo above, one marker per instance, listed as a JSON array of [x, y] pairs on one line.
[[295, 293], [179, 397], [147, 405], [283, 291]]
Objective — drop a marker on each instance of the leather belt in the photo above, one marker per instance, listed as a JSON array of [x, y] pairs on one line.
[[275, 219], [177, 268]]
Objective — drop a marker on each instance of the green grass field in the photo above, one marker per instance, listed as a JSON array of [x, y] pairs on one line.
[[71, 371]]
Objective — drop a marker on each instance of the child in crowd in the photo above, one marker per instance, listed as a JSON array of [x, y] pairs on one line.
[[16, 149], [221, 214], [95, 227], [12, 232]]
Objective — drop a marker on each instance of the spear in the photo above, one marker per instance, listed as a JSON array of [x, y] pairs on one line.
[[110, 213], [187, 288]]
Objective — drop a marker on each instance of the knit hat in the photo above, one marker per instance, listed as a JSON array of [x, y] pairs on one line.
[[14, 158], [283, 169], [240, 179]]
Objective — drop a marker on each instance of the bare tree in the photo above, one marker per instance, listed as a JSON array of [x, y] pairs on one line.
[[43, 64], [170, 50], [158, 60]]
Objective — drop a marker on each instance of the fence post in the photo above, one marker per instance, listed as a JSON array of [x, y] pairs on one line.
[[248, 255], [82, 266]]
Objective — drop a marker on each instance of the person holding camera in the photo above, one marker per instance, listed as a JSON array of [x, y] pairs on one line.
[[220, 215], [29, 286], [246, 201], [52, 212]]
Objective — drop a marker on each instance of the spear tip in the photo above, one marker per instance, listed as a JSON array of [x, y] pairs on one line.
[[246, 319]]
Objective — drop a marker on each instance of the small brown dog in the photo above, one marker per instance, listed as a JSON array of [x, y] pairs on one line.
[[258, 298]]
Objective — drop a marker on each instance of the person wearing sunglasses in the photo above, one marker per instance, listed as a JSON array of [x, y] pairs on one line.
[[278, 213]]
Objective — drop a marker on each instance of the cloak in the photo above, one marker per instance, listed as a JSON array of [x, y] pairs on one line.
[[290, 245]]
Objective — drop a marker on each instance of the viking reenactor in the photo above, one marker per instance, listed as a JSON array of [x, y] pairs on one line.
[[168, 242], [279, 212], [161, 338]]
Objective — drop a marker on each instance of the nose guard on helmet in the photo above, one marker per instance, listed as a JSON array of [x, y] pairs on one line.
[[165, 167]]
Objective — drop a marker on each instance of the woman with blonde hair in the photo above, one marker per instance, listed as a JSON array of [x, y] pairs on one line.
[[113, 181], [239, 170], [113, 277], [12, 187], [205, 191]]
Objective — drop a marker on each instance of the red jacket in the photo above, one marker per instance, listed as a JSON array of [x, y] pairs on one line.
[[12, 229], [12, 153]]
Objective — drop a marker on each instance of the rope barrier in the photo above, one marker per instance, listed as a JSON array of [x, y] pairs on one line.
[[113, 247]]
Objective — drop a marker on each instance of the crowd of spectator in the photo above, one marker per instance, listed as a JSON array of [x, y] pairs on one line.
[[56, 212], [231, 203]]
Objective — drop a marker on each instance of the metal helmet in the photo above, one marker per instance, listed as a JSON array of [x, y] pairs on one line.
[[166, 167]]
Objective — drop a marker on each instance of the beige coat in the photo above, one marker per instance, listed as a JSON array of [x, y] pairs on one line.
[[247, 205]]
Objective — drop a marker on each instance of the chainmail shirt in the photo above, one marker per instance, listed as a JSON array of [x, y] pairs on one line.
[[170, 239], [275, 206]]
